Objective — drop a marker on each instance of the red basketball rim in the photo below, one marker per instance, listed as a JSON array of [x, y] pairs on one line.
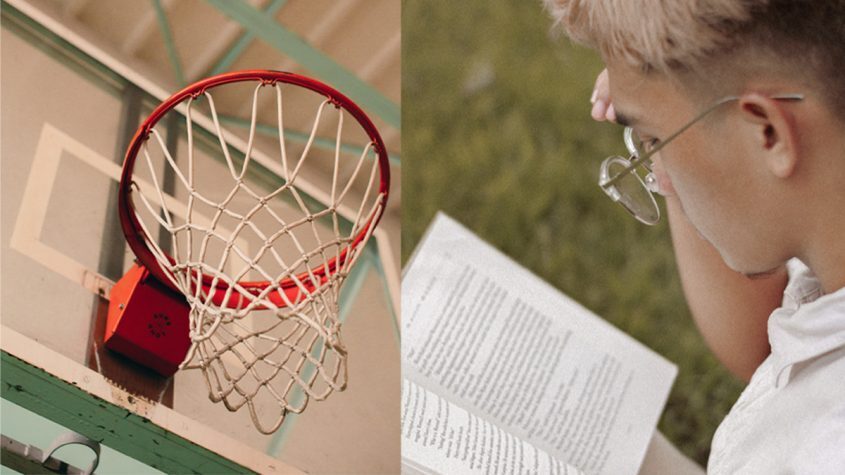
[[136, 237]]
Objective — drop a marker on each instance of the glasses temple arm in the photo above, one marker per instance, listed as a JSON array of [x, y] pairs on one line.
[[640, 159]]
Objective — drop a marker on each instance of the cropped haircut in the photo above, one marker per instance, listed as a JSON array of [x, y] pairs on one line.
[[697, 38]]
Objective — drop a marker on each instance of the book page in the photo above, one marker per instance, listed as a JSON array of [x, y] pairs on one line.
[[439, 437], [490, 337]]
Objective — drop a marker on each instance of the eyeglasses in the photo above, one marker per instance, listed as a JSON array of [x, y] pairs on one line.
[[621, 181]]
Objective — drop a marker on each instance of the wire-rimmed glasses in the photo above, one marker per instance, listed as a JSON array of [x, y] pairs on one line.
[[621, 181]]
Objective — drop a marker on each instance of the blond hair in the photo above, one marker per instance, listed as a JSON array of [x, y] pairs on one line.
[[674, 36]]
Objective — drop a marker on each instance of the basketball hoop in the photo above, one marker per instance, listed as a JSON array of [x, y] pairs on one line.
[[255, 264]]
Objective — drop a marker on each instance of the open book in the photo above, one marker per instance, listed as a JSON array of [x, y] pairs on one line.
[[504, 374]]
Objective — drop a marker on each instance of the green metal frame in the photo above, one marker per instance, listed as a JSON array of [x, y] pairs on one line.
[[100, 420], [61, 50], [242, 42], [169, 43], [236, 50], [302, 137], [264, 26], [379, 266]]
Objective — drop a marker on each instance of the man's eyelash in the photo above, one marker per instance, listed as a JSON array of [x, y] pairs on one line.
[[648, 143]]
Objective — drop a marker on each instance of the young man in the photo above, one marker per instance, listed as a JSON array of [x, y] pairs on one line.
[[741, 102]]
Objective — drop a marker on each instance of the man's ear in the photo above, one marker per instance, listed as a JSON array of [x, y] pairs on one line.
[[774, 132]]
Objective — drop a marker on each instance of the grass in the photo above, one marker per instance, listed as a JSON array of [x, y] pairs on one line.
[[496, 132]]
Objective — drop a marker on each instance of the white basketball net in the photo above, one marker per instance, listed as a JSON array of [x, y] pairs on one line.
[[251, 350]]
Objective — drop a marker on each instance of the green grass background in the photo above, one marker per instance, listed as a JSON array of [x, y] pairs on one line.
[[496, 132]]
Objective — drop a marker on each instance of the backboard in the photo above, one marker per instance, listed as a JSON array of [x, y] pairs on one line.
[[69, 106]]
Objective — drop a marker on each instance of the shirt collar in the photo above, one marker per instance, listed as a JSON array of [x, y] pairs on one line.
[[809, 324]]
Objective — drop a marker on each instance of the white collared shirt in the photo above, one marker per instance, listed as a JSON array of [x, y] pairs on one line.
[[791, 417]]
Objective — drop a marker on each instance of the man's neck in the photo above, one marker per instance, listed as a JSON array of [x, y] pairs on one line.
[[827, 261]]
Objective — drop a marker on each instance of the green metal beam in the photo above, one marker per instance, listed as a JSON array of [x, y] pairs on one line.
[[379, 265], [61, 50], [241, 43], [169, 44], [348, 294], [65, 404], [265, 27], [301, 137], [355, 282]]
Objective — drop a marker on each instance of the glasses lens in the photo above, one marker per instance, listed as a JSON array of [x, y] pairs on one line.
[[631, 192]]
